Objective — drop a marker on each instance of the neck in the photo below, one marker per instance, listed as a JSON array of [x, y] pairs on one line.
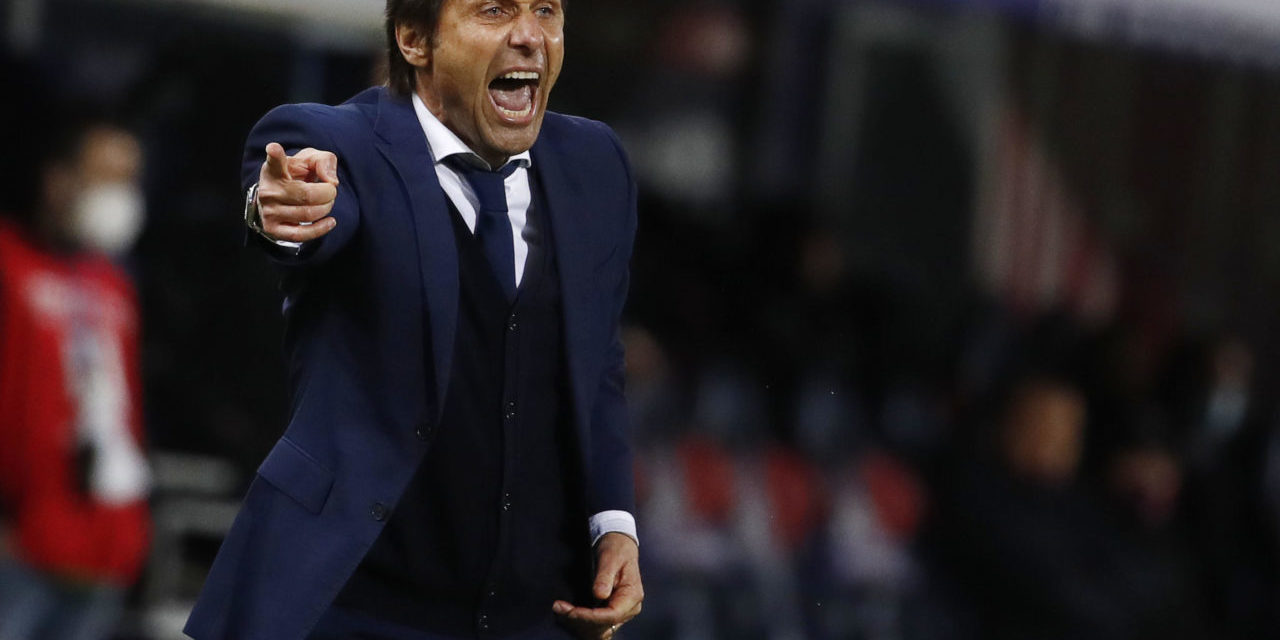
[[495, 160], [49, 235]]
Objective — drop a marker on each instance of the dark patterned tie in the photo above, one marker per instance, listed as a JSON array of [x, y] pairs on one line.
[[493, 226]]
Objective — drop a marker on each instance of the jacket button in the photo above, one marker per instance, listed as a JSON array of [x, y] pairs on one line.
[[483, 622], [378, 511]]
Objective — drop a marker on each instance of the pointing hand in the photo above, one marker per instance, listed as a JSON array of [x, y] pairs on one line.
[[297, 193]]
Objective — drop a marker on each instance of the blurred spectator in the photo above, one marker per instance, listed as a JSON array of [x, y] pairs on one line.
[[1145, 483], [1222, 426], [823, 350], [73, 478], [1032, 550]]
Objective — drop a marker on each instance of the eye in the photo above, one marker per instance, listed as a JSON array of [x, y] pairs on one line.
[[491, 10]]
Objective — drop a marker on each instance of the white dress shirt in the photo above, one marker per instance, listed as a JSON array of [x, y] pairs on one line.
[[443, 144]]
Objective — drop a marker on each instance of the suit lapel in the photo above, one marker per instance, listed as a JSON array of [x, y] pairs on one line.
[[402, 142], [569, 210]]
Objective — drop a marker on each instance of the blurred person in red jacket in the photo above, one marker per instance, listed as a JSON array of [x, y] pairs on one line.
[[73, 477]]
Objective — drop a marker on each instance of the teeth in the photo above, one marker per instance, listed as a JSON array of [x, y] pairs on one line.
[[515, 114], [521, 75]]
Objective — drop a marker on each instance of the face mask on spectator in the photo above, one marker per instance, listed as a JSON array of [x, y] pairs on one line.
[[108, 217]]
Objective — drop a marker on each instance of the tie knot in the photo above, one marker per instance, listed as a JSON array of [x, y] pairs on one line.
[[493, 226], [489, 186]]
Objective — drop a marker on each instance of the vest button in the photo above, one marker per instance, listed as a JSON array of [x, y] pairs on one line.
[[483, 622], [378, 511], [512, 325], [424, 431]]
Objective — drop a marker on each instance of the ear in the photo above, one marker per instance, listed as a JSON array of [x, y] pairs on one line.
[[415, 44]]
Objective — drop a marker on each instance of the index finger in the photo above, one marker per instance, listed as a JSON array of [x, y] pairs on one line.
[[277, 164]]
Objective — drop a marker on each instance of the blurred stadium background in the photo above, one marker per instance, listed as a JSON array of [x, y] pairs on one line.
[[950, 319]]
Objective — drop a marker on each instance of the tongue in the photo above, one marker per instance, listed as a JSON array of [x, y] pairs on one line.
[[518, 99]]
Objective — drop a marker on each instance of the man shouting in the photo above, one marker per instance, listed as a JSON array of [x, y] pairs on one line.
[[455, 262]]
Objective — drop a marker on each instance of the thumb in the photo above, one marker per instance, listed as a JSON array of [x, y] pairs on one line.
[[277, 165]]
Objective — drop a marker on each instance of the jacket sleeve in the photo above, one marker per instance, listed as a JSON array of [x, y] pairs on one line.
[[297, 127], [613, 480]]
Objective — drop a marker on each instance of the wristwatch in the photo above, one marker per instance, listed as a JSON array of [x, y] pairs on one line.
[[252, 217], [253, 220]]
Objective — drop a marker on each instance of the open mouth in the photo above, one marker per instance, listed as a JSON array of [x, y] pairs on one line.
[[515, 94]]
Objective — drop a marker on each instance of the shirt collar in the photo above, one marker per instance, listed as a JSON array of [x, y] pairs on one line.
[[445, 143]]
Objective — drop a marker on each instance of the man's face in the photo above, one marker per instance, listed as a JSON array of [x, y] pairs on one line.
[[1044, 433], [108, 157], [490, 69]]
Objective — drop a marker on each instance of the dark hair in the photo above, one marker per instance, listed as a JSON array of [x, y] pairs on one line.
[[423, 13], [27, 116]]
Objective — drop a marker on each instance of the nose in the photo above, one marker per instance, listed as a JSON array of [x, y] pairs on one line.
[[527, 32]]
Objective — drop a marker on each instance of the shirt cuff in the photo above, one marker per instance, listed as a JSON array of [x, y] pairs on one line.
[[613, 522]]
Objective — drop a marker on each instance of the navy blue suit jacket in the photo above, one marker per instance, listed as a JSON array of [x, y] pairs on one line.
[[371, 310]]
